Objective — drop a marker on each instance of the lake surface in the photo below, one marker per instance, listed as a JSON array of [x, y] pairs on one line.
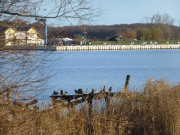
[[94, 69]]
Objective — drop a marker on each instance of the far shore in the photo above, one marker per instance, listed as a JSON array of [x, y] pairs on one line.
[[95, 47]]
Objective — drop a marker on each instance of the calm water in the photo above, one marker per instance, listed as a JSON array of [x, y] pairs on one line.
[[94, 69]]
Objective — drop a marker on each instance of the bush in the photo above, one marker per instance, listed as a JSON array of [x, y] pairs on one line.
[[154, 111]]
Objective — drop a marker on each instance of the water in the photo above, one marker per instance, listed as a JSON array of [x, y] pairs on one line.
[[94, 69]]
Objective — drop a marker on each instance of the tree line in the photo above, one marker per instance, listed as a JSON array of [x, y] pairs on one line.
[[157, 27], [137, 31]]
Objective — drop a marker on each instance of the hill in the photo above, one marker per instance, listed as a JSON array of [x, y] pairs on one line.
[[128, 31]]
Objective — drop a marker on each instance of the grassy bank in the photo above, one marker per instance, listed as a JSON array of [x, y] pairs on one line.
[[138, 42], [153, 112]]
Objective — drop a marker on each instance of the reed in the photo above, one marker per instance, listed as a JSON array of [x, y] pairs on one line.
[[154, 111]]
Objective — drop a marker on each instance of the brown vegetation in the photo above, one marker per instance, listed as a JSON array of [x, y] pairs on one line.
[[138, 31], [153, 112]]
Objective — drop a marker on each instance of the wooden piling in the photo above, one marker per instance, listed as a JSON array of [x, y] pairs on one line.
[[107, 99], [127, 83], [90, 106]]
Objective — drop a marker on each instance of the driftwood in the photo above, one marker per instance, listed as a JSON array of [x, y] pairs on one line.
[[77, 99]]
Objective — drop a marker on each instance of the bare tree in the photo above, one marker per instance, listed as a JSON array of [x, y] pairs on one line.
[[162, 19], [24, 74], [164, 22], [21, 72], [54, 9]]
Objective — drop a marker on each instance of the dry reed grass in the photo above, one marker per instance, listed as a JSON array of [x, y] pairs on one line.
[[153, 112]]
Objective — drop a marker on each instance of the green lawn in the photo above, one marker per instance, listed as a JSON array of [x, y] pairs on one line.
[[132, 42]]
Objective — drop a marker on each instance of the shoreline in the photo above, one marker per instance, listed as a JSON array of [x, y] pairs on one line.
[[95, 47]]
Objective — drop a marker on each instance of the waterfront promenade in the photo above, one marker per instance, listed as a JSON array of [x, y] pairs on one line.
[[97, 47]]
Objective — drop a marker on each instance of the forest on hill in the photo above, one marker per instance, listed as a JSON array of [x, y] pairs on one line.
[[158, 28], [137, 31]]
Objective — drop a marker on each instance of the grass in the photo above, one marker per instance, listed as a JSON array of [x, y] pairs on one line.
[[138, 42], [153, 112]]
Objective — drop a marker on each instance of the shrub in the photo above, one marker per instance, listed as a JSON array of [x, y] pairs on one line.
[[154, 111]]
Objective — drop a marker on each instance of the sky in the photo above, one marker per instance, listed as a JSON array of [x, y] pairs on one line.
[[134, 11], [127, 11]]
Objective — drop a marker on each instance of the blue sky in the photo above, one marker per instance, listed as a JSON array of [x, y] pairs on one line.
[[133, 11], [127, 11]]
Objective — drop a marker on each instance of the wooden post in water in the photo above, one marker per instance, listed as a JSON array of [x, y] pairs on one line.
[[127, 83], [107, 98], [90, 106]]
